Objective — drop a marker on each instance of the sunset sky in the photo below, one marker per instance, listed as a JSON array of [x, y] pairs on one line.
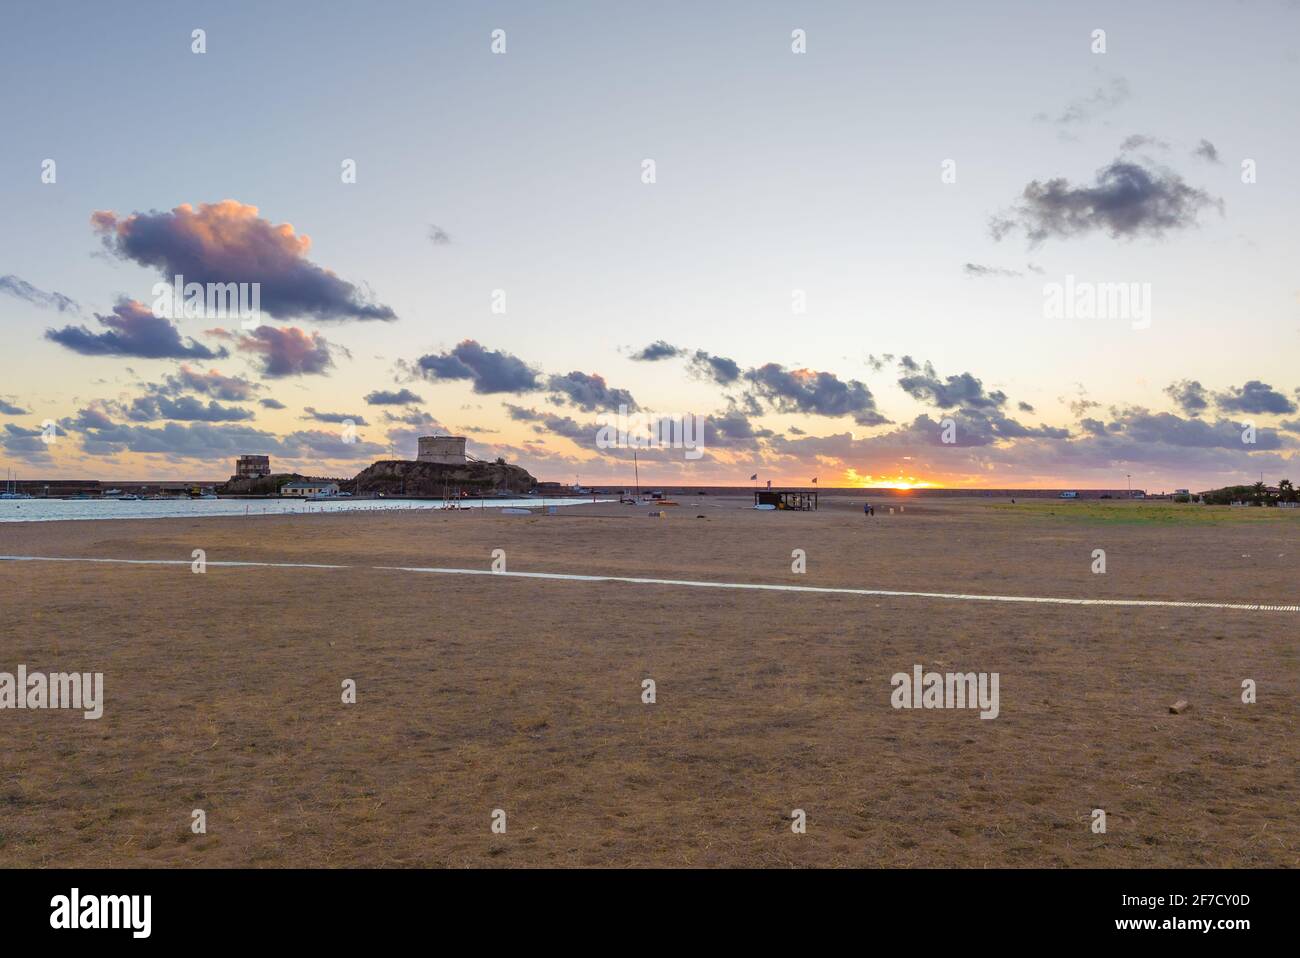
[[914, 181]]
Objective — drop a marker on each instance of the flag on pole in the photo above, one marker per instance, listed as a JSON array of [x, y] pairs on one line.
[[814, 480], [754, 477]]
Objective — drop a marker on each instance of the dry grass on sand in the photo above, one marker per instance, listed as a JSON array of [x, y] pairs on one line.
[[480, 692]]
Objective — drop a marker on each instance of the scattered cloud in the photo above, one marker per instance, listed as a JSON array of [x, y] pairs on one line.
[[1103, 99], [1139, 141], [310, 412], [1189, 395], [589, 392], [818, 393], [656, 351], [1126, 201], [228, 242], [491, 371], [288, 351], [23, 442], [24, 290], [132, 330], [184, 408], [1255, 398], [544, 422], [976, 269], [719, 369], [211, 383], [922, 383], [1206, 151], [388, 397]]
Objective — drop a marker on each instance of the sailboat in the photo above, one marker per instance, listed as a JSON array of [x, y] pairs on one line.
[[625, 499], [11, 488]]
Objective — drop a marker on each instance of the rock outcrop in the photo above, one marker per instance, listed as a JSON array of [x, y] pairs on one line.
[[398, 477]]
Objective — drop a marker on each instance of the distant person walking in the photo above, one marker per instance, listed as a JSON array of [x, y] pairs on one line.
[[867, 510]]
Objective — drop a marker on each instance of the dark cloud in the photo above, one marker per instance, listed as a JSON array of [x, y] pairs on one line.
[[877, 363], [1143, 426], [9, 409], [720, 369], [288, 351], [198, 440], [438, 236], [310, 412], [1189, 395], [419, 418], [228, 242], [975, 427], [818, 393], [23, 442], [208, 442], [589, 392], [1024, 406], [491, 371], [273, 404], [544, 422], [1254, 397], [37, 297], [315, 444], [656, 351], [1135, 440], [921, 382], [732, 429], [90, 417], [387, 397], [211, 383], [185, 408], [1127, 200], [132, 330]]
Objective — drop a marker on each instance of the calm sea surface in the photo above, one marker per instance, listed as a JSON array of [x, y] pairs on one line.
[[47, 510]]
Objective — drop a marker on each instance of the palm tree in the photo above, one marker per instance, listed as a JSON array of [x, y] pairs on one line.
[[1285, 491]]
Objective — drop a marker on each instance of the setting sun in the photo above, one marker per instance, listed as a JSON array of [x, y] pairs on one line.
[[853, 478]]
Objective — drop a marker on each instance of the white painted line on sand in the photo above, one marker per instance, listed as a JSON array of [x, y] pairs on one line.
[[273, 565], [699, 584]]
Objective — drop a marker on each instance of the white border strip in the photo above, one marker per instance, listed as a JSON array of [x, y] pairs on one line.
[[697, 584]]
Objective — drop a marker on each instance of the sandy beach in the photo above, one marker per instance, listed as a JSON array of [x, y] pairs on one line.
[[475, 693]]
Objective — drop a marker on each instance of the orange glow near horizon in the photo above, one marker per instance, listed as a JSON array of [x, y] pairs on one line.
[[853, 478]]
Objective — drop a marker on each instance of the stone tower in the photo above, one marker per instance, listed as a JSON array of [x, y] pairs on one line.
[[445, 450]]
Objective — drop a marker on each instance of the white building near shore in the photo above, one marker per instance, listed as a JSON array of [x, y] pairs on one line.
[[304, 488]]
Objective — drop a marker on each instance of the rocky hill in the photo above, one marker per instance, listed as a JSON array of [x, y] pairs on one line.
[[259, 486], [396, 477]]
